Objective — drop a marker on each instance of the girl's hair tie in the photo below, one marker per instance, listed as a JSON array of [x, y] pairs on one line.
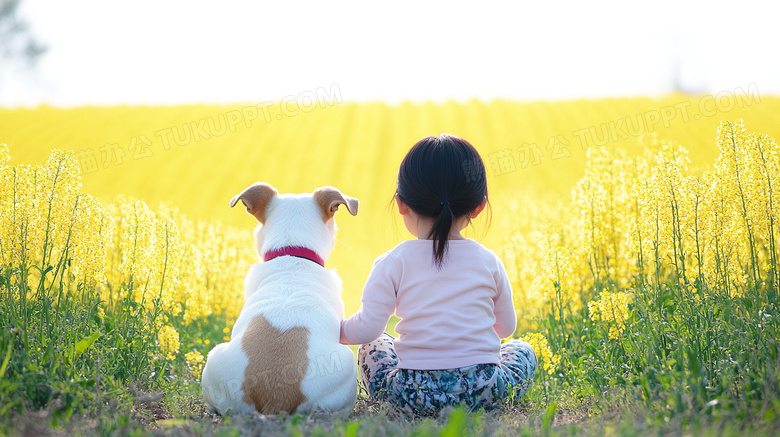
[[445, 202]]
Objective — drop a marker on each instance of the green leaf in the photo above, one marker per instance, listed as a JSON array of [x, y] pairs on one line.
[[85, 342], [669, 304], [351, 430], [645, 387], [7, 358], [7, 407], [174, 423], [693, 362], [549, 415], [296, 419], [455, 423]]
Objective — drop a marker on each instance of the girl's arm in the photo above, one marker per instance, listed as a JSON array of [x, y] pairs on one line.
[[504, 307], [377, 305]]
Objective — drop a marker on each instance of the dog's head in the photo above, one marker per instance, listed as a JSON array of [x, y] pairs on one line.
[[303, 220]]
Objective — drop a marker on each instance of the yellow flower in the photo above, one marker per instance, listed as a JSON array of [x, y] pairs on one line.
[[555, 281], [607, 210], [611, 307], [46, 221], [546, 359], [189, 266], [195, 362], [168, 339]]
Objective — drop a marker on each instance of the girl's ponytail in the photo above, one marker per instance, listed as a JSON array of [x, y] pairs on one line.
[[440, 232]]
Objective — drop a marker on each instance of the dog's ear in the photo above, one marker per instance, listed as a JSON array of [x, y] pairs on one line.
[[256, 198], [329, 199]]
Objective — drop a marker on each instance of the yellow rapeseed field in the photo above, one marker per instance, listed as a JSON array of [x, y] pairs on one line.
[[195, 158], [580, 194]]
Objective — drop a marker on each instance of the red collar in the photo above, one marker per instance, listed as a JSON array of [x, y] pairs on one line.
[[300, 252]]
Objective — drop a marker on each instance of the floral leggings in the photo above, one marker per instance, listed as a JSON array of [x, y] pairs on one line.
[[428, 391]]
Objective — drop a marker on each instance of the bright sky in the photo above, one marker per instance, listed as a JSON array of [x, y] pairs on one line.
[[171, 52]]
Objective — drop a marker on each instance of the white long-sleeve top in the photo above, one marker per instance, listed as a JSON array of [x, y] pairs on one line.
[[450, 318]]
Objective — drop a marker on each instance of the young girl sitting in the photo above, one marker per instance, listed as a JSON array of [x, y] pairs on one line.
[[452, 295]]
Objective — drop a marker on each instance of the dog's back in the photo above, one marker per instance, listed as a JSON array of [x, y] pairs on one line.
[[268, 351], [298, 327], [284, 355]]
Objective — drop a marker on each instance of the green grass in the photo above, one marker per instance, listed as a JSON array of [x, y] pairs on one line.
[[682, 366]]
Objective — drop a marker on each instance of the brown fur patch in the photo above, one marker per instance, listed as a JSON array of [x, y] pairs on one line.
[[329, 199], [256, 198], [277, 366]]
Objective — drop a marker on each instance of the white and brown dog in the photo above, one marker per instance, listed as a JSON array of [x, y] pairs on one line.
[[284, 353]]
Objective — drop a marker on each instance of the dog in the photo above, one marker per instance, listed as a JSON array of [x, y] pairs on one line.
[[284, 353]]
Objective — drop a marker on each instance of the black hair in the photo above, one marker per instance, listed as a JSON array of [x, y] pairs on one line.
[[442, 177]]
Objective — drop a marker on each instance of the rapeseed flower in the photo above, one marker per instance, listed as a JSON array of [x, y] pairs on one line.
[[546, 359], [195, 361], [168, 341], [611, 307]]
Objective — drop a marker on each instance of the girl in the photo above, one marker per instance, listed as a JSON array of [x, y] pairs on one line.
[[451, 294]]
